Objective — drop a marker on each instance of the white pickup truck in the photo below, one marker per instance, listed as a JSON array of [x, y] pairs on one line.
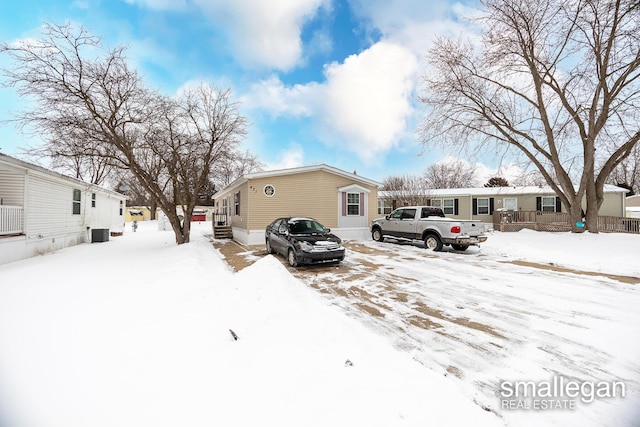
[[429, 224]]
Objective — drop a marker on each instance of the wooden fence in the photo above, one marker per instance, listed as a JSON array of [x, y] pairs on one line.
[[558, 221]]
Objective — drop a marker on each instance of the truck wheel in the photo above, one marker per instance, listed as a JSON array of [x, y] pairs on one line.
[[291, 257], [460, 247], [376, 234], [433, 242]]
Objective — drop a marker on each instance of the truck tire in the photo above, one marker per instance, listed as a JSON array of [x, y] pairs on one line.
[[377, 235], [459, 247], [433, 242]]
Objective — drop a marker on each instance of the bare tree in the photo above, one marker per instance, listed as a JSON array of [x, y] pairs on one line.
[[627, 173], [556, 81], [84, 92], [406, 190], [450, 173]]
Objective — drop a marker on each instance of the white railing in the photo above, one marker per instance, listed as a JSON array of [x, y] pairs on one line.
[[10, 219]]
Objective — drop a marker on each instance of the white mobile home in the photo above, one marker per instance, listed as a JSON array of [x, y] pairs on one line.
[[42, 211]]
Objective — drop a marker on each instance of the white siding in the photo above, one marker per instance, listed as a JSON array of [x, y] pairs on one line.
[[49, 209], [11, 187]]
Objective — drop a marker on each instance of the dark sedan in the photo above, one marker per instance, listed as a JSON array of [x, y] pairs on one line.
[[303, 241]]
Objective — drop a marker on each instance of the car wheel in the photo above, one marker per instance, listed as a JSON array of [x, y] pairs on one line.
[[460, 247], [291, 257], [269, 248], [433, 242], [377, 235]]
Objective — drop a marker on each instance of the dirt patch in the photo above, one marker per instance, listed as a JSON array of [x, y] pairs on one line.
[[238, 256], [624, 279]]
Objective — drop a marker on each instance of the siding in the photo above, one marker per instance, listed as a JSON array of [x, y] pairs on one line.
[[49, 212], [11, 188], [313, 194]]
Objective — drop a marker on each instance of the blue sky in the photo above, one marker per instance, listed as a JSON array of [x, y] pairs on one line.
[[321, 81]]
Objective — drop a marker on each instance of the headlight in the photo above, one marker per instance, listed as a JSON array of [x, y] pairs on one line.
[[305, 246]]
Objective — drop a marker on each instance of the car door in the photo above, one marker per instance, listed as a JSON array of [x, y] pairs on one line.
[[407, 224], [393, 224], [280, 237], [274, 236]]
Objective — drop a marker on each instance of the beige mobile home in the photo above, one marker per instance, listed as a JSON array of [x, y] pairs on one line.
[[340, 200], [42, 210]]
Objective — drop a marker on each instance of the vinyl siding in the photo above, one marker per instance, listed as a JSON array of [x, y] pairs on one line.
[[11, 187], [49, 212], [313, 194]]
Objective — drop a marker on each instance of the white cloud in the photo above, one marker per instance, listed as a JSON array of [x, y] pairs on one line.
[[362, 107], [290, 158], [264, 33], [274, 97], [367, 98]]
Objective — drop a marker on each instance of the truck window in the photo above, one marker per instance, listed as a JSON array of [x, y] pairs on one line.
[[427, 212], [409, 214], [397, 214]]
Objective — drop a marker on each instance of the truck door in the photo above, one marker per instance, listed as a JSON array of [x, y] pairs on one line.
[[407, 224], [393, 224]]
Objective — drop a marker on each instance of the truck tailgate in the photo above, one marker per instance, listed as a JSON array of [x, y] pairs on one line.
[[472, 228]]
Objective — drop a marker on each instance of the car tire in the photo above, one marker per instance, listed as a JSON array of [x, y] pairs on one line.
[[269, 248], [377, 235], [459, 247], [291, 257], [433, 242]]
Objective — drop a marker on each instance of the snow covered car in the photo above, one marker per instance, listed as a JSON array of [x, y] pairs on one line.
[[303, 241]]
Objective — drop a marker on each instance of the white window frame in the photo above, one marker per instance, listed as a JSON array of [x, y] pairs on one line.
[[351, 204], [550, 207], [449, 209], [384, 207], [482, 209], [506, 200], [76, 206]]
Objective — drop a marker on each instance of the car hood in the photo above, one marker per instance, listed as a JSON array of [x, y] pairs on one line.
[[315, 238]]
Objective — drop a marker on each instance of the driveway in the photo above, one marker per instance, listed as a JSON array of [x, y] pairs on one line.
[[466, 315]]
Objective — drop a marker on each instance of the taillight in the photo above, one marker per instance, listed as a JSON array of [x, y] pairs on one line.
[[455, 229]]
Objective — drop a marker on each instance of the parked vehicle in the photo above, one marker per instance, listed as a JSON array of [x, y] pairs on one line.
[[429, 224], [303, 241]]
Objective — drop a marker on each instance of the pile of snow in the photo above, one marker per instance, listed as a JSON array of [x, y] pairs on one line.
[[611, 253], [137, 332]]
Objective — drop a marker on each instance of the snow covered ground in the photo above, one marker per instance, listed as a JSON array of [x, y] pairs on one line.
[[136, 332]]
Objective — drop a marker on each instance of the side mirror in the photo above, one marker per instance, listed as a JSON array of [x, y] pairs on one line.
[[327, 230], [387, 217]]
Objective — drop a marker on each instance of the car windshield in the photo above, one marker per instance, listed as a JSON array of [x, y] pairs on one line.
[[305, 226]]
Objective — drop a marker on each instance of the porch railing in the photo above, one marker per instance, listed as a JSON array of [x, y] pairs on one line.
[[220, 220], [11, 219], [558, 221]]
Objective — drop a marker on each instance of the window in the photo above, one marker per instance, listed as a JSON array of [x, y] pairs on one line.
[[483, 206], [510, 203], [269, 190], [448, 206], [353, 203], [93, 200], [548, 204], [236, 201], [384, 207], [77, 199], [224, 206]]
